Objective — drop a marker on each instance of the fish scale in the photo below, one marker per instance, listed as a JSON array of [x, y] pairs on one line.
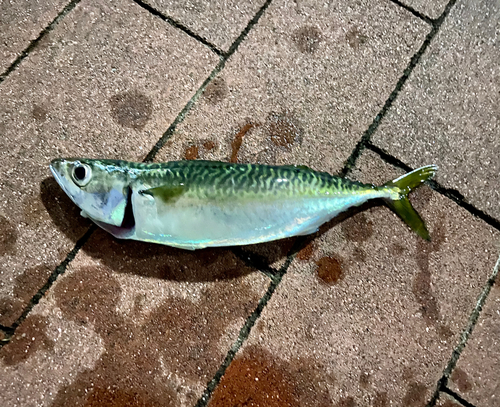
[[196, 204]]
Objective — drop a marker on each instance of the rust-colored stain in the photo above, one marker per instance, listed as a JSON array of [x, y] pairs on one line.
[[415, 395], [329, 270], [256, 378], [306, 252], [8, 237], [284, 129], [358, 228], [131, 109], [191, 153], [216, 91], [461, 379], [238, 140], [39, 113], [29, 337], [208, 145], [179, 333], [307, 39], [355, 38]]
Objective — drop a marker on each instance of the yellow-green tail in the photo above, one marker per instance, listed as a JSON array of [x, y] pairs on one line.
[[402, 206]]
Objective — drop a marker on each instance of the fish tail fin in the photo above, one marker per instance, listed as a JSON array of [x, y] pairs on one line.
[[402, 206]]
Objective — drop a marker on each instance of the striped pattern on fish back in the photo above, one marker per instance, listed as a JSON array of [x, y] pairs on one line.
[[212, 179]]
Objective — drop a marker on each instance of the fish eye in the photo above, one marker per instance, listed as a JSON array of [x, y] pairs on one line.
[[81, 174]]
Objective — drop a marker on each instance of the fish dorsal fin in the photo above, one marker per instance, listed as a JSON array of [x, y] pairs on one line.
[[299, 167], [165, 193]]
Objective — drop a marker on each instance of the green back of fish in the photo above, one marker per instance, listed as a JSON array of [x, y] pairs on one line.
[[219, 180]]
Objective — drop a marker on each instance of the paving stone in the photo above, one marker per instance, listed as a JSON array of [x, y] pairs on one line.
[[106, 82], [446, 400], [301, 89], [219, 22], [430, 8], [130, 324], [22, 22], [448, 112], [476, 376], [371, 314]]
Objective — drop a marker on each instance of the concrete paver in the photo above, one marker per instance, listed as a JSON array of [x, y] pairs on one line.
[[21, 22], [308, 98], [370, 315], [218, 22], [475, 377], [130, 324], [448, 113], [107, 81], [430, 8]]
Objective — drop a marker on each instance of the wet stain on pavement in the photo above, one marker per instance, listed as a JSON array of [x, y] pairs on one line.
[[364, 380], [39, 113], [461, 379], [208, 145], [307, 252], [131, 109], [346, 402], [329, 270], [256, 378], [8, 237], [29, 337], [238, 141], [284, 129], [355, 38], [380, 400], [358, 228], [179, 335], [10, 309], [307, 39], [415, 395], [33, 278], [191, 153], [216, 91]]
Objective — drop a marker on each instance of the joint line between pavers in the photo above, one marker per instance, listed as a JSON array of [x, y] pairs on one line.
[[415, 59], [449, 193], [416, 13], [60, 269], [457, 397], [242, 337], [179, 26], [465, 335], [69, 7]]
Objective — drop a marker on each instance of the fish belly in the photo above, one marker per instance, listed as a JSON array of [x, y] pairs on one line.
[[191, 224]]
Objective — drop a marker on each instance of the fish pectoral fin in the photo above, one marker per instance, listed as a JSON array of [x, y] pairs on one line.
[[165, 193]]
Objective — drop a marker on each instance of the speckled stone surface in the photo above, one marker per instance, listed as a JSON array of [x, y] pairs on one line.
[[448, 111], [369, 314], [219, 22], [476, 376], [21, 22], [429, 8], [106, 82], [130, 324]]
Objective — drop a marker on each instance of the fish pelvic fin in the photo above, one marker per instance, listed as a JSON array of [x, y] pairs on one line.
[[402, 206]]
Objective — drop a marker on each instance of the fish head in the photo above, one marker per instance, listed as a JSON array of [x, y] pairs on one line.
[[100, 188]]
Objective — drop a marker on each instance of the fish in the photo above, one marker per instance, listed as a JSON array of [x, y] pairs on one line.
[[197, 204]]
